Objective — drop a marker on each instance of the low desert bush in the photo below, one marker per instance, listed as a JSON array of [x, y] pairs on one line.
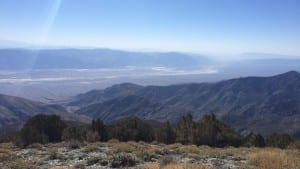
[[54, 154], [73, 144], [90, 148], [123, 160], [93, 160], [124, 147]]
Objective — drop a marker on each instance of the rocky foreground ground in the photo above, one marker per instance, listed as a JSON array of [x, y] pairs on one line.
[[114, 154]]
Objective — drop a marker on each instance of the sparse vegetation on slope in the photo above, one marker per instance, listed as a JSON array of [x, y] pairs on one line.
[[141, 155]]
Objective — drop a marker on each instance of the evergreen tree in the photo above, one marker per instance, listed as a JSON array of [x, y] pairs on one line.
[[41, 129], [74, 133], [210, 131], [255, 140], [185, 130], [165, 134], [99, 127], [132, 128]]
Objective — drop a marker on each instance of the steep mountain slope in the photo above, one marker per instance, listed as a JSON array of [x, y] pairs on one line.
[[14, 110], [96, 96], [261, 104], [252, 96], [120, 107]]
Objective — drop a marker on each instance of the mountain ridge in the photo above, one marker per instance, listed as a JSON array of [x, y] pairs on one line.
[[15, 110], [247, 103]]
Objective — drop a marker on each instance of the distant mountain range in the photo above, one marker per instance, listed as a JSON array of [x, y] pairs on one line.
[[101, 58], [259, 104], [16, 110], [19, 59]]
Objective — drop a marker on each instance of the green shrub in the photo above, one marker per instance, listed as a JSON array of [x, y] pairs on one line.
[[40, 129]]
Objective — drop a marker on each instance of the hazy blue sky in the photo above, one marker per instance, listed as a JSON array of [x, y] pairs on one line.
[[204, 26]]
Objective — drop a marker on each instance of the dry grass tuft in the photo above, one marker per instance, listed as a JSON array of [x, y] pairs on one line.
[[196, 166], [37, 146], [176, 166], [190, 149], [5, 151], [152, 166], [187, 166], [6, 148], [275, 159], [21, 164], [113, 141], [124, 147], [58, 167]]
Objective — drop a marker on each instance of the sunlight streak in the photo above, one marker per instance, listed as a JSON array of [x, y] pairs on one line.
[[42, 40], [54, 8]]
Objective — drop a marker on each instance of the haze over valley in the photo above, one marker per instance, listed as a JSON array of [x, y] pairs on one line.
[[149, 84], [58, 74]]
